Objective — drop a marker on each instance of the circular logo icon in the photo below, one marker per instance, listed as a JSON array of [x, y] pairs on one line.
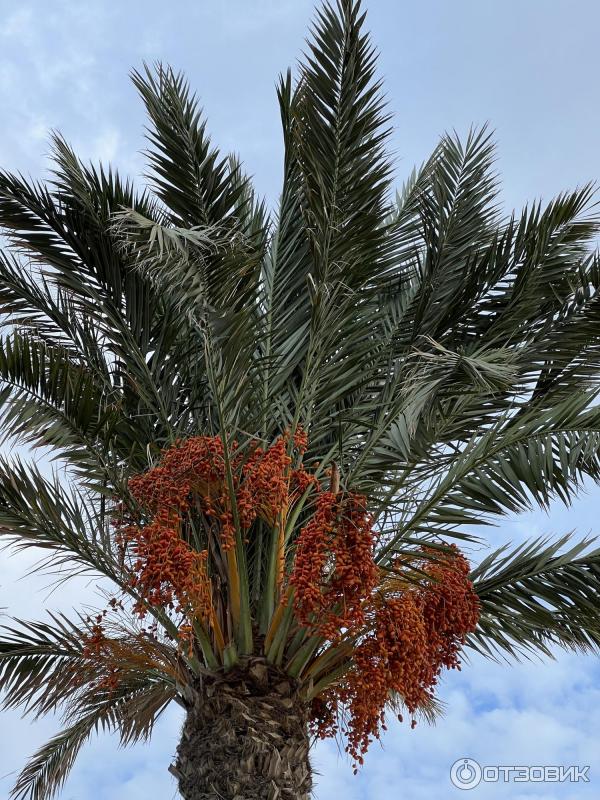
[[465, 773]]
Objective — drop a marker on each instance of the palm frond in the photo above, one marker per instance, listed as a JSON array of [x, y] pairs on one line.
[[538, 596], [41, 512]]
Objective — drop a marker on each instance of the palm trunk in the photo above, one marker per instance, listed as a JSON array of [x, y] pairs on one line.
[[245, 737]]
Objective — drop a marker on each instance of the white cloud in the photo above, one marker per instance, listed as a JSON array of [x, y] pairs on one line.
[[105, 146], [18, 25]]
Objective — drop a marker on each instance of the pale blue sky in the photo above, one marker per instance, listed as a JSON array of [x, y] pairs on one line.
[[528, 67]]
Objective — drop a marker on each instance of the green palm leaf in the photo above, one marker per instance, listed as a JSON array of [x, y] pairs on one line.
[[538, 596]]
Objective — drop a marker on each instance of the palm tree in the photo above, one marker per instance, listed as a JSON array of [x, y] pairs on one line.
[[276, 428]]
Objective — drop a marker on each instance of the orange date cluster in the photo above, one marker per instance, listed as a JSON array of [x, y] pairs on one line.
[[400, 626], [411, 634]]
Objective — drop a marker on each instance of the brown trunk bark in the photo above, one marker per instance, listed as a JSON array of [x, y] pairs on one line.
[[245, 737]]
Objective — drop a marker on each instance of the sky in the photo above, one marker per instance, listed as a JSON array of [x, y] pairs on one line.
[[530, 69]]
